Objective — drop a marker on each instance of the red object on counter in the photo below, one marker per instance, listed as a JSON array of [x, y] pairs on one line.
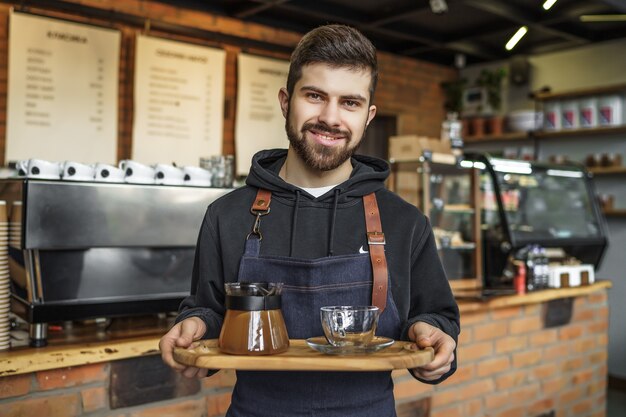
[[520, 279]]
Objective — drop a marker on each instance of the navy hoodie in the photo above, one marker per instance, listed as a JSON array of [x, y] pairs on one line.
[[302, 226]]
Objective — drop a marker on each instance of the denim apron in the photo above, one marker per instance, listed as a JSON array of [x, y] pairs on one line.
[[308, 285]]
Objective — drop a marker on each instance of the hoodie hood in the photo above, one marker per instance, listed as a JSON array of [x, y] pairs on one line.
[[368, 176]]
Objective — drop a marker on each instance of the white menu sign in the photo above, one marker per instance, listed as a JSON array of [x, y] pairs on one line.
[[62, 90], [179, 101], [260, 123]]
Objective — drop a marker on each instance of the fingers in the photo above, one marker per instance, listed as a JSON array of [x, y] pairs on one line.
[[191, 329], [426, 335], [421, 333], [193, 372], [182, 334], [431, 375], [437, 368], [444, 353], [167, 344]]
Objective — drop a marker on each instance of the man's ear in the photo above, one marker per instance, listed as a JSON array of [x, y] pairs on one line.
[[283, 98], [371, 114]]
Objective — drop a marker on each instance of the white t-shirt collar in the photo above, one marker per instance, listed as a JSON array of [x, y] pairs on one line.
[[318, 191]]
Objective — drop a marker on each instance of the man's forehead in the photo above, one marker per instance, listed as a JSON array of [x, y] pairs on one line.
[[344, 79]]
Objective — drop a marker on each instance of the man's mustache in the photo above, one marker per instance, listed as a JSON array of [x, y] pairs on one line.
[[322, 128]]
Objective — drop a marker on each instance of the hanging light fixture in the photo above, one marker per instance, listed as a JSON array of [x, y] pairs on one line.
[[548, 4], [438, 6], [603, 18], [516, 38]]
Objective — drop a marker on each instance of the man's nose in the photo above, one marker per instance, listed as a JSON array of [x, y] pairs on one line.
[[330, 114]]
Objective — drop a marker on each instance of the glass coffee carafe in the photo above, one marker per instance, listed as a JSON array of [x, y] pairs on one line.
[[253, 324]]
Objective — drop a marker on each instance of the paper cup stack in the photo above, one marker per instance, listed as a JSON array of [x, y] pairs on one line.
[[15, 225], [5, 291]]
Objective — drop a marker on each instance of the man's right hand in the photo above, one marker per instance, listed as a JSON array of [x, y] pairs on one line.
[[182, 335]]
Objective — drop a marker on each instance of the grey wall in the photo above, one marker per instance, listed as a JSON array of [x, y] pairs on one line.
[[599, 65]]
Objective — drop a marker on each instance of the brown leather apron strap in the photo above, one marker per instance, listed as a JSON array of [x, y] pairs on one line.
[[261, 201], [260, 207], [376, 242]]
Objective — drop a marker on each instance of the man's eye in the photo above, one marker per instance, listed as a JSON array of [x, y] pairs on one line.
[[352, 103], [314, 96]]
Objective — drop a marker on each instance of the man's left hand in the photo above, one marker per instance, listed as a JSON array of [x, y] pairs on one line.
[[425, 335]]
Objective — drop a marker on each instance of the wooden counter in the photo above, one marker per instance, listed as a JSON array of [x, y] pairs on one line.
[[133, 341], [535, 297], [86, 343]]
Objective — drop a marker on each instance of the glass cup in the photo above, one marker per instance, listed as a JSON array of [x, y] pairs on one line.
[[347, 326]]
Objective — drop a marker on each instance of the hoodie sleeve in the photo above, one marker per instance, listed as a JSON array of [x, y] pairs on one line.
[[206, 299], [432, 301]]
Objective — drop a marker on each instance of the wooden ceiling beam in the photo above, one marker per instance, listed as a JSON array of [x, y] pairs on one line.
[[260, 7]]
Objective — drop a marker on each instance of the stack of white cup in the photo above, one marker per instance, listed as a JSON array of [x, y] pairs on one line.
[[15, 225], [5, 291]]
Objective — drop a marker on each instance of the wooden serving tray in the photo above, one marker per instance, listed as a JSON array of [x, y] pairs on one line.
[[301, 357]]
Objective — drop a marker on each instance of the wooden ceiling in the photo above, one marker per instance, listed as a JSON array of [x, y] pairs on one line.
[[477, 29]]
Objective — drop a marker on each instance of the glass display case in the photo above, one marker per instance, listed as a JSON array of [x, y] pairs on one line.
[[445, 189], [530, 203]]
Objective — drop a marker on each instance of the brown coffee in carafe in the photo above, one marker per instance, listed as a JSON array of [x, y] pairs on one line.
[[253, 324]]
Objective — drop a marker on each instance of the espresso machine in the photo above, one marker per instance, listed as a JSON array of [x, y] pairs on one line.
[[83, 250]]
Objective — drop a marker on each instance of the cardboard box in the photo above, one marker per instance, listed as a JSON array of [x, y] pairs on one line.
[[408, 180], [408, 195], [411, 147], [571, 275]]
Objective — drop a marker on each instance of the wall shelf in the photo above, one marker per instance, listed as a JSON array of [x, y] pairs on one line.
[[498, 138], [546, 134], [605, 130], [543, 96], [615, 213], [607, 170]]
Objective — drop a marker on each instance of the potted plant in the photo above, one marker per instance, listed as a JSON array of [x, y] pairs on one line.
[[491, 81], [453, 105], [453, 91]]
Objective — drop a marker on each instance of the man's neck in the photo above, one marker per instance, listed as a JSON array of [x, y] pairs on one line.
[[294, 171]]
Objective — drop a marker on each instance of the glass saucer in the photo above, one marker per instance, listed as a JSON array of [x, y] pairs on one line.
[[320, 344]]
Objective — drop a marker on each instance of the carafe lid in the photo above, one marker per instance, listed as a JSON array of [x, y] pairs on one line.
[[253, 288], [253, 296], [253, 302]]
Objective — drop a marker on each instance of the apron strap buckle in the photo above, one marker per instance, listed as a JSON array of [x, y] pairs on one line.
[[256, 229], [376, 238]]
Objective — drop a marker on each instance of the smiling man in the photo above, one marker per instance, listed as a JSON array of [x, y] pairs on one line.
[[326, 114], [333, 235]]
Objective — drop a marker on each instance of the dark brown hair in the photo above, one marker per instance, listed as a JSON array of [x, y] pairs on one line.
[[337, 46]]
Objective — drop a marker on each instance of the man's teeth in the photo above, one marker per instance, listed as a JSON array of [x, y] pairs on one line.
[[327, 137]]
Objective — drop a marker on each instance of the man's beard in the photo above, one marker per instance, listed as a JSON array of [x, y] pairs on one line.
[[316, 156]]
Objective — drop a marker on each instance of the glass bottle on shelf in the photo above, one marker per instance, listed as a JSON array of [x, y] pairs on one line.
[[451, 131]]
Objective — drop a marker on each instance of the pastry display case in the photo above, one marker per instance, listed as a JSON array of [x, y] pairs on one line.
[[446, 189], [526, 204]]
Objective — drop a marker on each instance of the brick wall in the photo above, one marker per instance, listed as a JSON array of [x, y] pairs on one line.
[[408, 89], [510, 365]]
